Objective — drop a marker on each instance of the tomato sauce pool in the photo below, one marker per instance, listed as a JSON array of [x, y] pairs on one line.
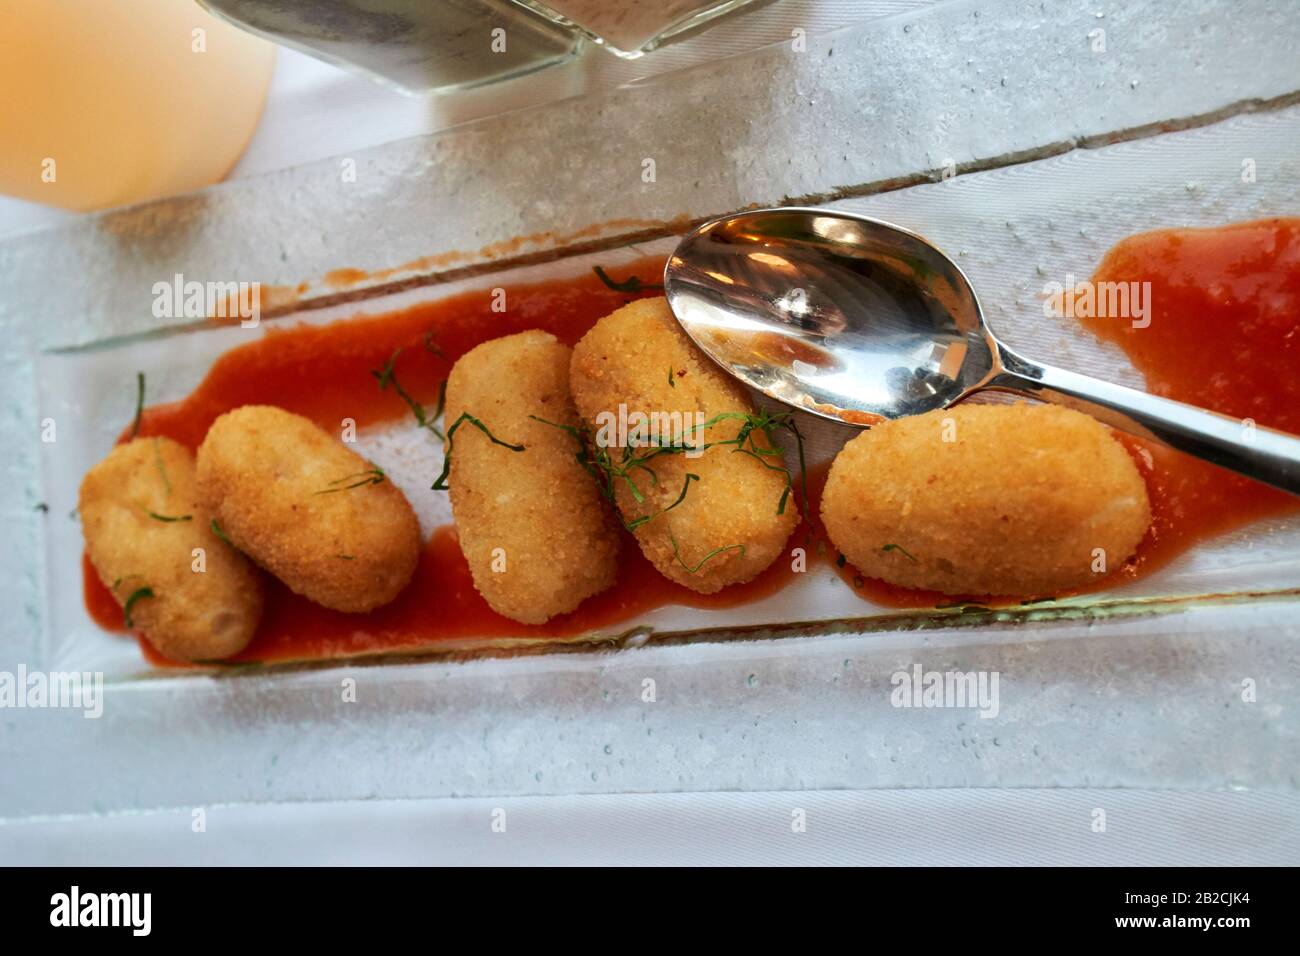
[[1223, 334], [324, 372]]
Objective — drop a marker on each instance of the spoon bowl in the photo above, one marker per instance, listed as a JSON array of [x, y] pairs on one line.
[[860, 321], [842, 316]]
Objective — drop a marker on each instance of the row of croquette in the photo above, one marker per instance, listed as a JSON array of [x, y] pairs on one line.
[[1008, 500]]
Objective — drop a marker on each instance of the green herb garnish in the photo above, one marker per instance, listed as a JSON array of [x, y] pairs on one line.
[[431, 346], [216, 529], [158, 517], [139, 403], [346, 557], [609, 471], [644, 519], [672, 381], [136, 595], [630, 285], [162, 470], [440, 483], [586, 457], [387, 376], [841, 561], [373, 475], [716, 551], [598, 462], [438, 410], [899, 548], [767, 423], [42, 507]]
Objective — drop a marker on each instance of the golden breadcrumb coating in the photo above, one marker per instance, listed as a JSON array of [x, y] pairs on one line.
[[538, 537], [279, 486], [207, 602], [639, 357], [1024, 501]]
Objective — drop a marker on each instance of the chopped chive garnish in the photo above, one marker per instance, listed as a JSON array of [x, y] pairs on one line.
[[903, 551], [139, 404], [158, 517], [136, 595], [841, 561], [371, 476], [42, 507], [387, 376], [672, 380], [609, 471], [162, 470], [431, 346], [384, 375], [714, 553], [216, 529], [440, 483], [578, 433], [583, 456], [346, 557], [633, 525], [631, 285], [438, 410]]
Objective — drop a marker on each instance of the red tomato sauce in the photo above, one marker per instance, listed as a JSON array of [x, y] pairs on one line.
[[1224, 333], [324, 373]]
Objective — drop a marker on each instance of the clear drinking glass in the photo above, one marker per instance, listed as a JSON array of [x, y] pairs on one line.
[[418, 46], [630, 28]]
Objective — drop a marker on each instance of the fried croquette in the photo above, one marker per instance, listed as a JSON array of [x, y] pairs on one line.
[[707, 519], [538, 537], [318, 516], [1015, 500], [149, 536]]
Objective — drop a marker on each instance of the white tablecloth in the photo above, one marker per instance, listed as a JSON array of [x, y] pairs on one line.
[[881, 827], [315, 111]]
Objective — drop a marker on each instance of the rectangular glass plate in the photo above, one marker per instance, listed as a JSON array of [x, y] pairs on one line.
[[1098, 692], [1082, 203]]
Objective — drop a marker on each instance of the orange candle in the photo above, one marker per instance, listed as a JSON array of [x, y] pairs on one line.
[[113, 103]]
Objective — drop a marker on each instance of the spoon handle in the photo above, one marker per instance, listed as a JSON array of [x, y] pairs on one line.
[[1264, 454]]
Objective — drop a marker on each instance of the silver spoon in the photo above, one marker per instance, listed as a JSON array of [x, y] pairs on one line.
[[859, 320]]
